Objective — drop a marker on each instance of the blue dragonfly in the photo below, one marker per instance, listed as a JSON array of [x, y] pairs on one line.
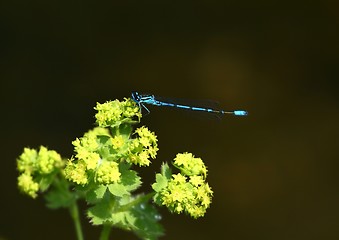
[[142, 99]]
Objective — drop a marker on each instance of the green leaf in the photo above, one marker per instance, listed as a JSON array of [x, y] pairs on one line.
[[45, 181], [100, 213], [59, 195], [122, 220], [56, 199], [125, 129], [103, 139], [130, 181], [161, 179], [118, 189], [128, 213], [161, 182], [138, 216], [96, 194], [147, 224], [107, 211], [166, 171], [129, 178]]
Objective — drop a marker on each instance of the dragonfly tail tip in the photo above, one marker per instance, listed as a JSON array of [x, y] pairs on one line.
[[240, 113]]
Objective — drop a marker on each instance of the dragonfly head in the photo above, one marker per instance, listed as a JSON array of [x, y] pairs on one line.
[[136, 97]]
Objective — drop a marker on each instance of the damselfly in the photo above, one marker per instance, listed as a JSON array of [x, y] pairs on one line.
[[142, 99]]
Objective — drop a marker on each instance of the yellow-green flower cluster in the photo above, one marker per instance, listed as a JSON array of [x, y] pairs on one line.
[[87, 158], [27, 185], [143, 147], [187, 191], [35, 165], [107, 173], [190, 165], [86, 148], [98, 154], [76, 172], [113, 113]]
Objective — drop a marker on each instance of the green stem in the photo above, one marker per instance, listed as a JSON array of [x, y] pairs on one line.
[[75, 216], [106, 230]]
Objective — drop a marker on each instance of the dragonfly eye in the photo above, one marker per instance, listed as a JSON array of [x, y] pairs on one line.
[[136, 96]]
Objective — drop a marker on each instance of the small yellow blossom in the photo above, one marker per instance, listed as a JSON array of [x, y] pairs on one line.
[[48, 160], [146, 137], [178, 178], [33, 164], [131, 109], [88, 141], [108, 113], [27, 185], [92, 160], [27, 160], [113, 113], [145, 144], [76, 172], [186, 191], [196, 211], [196, 180], [107, 173], [117, 141], [190, 165], [143, 159]]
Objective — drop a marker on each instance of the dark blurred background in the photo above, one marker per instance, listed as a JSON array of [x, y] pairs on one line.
[[274, 173]]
